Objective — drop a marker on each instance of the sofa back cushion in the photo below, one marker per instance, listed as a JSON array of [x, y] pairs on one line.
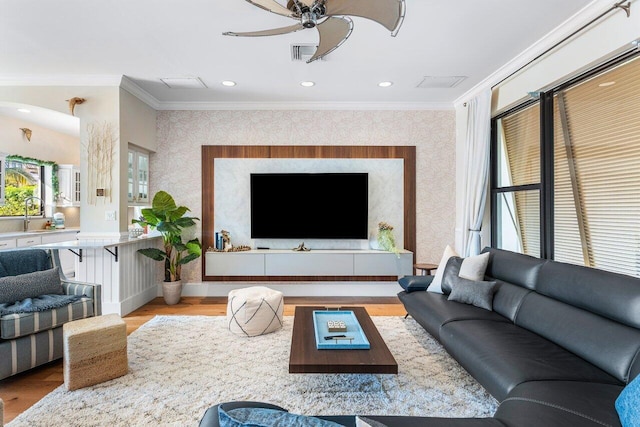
[[615, 296], [508, 298], [518, 269], [13, 263], [607, 344]]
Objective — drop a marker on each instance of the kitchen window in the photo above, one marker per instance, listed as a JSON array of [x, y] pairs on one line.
[[20, 180]]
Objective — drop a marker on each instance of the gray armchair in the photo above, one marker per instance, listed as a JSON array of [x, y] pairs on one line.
[[31, 327]]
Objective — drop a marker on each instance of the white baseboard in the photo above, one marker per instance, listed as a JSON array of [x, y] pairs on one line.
[[132, 303], [296, 289]]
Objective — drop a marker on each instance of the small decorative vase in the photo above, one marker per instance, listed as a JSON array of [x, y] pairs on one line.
[[171, 291], [386, 241], [373, 242]]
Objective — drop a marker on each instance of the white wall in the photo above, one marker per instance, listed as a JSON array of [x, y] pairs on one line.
[[176, 166], [607, 37], [45, 144], [137, 127]]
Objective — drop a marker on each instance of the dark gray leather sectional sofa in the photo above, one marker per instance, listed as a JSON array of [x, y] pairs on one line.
[[559, 346]]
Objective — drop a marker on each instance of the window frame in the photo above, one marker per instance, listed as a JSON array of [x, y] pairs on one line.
[[546, 185], [41, 179]]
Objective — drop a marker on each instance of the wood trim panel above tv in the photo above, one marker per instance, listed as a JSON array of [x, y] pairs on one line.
[[212, 152]]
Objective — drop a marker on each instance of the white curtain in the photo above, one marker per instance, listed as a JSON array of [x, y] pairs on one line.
[[476, 170]]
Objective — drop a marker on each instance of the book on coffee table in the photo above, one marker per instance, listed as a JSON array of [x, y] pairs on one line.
[[338, 330]]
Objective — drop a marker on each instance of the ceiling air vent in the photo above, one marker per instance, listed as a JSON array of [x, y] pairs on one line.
[[183, 82], [302, 52], [440, 82]]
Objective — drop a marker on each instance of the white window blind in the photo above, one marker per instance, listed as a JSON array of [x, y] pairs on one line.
[[521, 150], [597, 171]]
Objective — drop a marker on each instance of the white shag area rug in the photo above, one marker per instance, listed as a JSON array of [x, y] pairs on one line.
[[181, 365]]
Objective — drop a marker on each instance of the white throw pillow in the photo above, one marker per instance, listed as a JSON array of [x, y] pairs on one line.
[[436, 284], [366, 422], [473, 267]]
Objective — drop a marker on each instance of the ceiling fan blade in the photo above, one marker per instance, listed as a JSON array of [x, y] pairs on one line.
[[389, 13], [272, 6], [333, 32], [272, 32]]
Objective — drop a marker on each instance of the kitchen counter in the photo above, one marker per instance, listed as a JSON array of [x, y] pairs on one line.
[[38, 232], [93, 244]]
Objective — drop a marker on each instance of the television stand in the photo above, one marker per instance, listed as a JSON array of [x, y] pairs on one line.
[[318, 265]]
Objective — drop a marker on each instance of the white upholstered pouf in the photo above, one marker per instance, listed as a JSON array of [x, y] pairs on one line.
[[254, 311]]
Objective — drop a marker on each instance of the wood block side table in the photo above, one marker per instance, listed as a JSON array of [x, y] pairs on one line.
[[95, 350], [425, 268]]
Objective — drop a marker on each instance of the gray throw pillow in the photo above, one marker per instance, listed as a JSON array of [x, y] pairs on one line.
[[30, 285], [478, 293]]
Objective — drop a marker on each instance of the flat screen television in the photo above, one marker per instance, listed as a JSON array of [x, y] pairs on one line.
[[309, 205]]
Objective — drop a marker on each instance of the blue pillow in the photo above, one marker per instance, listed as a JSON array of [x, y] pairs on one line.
[[415, 283], [628, 404], [260, 417]]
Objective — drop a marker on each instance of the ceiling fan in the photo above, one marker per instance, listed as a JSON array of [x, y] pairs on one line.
[[329, 18]]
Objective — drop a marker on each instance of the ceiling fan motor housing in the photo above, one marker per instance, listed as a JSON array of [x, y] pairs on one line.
[[308, 19]]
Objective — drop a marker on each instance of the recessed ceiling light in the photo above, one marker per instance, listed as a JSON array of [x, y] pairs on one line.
[[605, 84], [228, 83], [307, 84], [24, 110], [385, 84]]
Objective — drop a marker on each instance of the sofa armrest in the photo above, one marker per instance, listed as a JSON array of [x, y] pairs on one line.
[[91, 290], [415, 283]]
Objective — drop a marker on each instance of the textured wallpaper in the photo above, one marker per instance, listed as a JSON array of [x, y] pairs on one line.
[[176, 166]]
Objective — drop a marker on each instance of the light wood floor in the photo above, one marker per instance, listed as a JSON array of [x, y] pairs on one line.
[[23, 390]]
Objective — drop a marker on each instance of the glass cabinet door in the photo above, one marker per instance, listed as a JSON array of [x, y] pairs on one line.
[[143, 177]]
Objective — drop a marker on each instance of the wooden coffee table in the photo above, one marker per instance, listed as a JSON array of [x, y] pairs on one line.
[[305, 358]]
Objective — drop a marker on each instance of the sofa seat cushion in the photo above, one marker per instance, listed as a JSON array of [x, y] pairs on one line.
[[560, 403], [432, 310], [501, 355], [22, 324]]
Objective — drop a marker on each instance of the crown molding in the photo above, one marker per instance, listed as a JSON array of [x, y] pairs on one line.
[[130, 86], [367, 106], [60, 80], [548, 42], [135, 90]]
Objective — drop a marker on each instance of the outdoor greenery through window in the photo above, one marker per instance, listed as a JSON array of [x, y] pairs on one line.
[[584, 208], [22, 179]]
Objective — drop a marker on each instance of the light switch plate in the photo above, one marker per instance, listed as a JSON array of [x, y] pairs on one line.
[[109, 215]]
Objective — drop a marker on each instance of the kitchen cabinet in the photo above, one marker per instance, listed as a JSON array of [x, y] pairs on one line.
[[68, 185], [23, 242], [138, 177], [7, 243]]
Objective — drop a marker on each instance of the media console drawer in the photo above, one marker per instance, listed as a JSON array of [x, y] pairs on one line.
[[382, 264], [234, 263], [309, 264], [321, 263]]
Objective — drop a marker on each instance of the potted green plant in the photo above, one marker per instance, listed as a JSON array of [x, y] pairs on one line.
[[170, 221]]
